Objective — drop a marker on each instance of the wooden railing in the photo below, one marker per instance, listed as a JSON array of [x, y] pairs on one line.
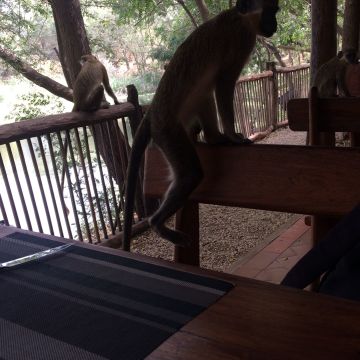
[[261, 100], [64, 174]]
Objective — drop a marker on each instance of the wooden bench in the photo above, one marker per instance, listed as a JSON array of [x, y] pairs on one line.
[[299, 179]]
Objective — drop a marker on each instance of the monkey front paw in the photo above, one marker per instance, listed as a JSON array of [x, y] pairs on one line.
[[239, 139]]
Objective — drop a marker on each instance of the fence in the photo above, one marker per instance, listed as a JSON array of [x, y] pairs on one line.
[[260, 100], [64, 174]]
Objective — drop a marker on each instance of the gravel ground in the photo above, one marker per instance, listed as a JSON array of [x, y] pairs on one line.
[[226, 233]]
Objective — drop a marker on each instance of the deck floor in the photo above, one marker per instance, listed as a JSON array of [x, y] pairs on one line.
[[272, 262]]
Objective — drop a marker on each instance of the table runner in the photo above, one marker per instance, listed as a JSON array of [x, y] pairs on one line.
[[85, 304]]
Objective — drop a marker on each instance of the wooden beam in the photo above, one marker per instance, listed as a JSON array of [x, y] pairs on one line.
[[323, 33], [338, 114], [297, 179]]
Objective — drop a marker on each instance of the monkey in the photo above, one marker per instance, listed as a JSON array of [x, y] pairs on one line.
[[205, 67], [330, 77], [88, 91]]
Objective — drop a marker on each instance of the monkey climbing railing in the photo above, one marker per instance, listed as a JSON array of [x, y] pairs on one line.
[[64, 174]]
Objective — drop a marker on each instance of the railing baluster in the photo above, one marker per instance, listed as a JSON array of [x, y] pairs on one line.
[[50, 186], [60, 190], [68, 179], [29, 185], [78, 185], [41, 186], [19, 187], [91, 171], [9, 192], [108, 136], [3, 212], [107, 204], [87, 185]]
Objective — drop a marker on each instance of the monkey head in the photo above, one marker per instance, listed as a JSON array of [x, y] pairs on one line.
[[88, 58], [265, 13], [350, 56]]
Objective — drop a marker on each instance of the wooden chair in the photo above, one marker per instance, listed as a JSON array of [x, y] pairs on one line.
[[322, 118]]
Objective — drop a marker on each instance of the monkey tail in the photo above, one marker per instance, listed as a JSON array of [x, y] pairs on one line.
[[141, 140]]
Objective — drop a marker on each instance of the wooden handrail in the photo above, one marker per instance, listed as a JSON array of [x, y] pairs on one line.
[[292, 68], [52, 123], [253, 77]]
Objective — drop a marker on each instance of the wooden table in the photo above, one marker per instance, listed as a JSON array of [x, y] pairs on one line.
[[257, 320]]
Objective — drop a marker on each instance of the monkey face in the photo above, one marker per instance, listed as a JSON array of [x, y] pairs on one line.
[[268, 23], [351, 56], [267, 8]]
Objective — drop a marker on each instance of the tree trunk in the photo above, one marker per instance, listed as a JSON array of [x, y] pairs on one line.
[[272, 49], [73, 43], [71, 36]]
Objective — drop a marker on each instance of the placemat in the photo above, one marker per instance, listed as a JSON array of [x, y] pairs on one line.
[[84, 304]]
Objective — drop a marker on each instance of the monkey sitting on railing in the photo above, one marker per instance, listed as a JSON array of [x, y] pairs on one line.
[[88, 91]]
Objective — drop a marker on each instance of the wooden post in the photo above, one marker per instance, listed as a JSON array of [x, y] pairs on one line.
[[323, 48], [273, 93], [314, 138], [323, 35], [187, 221], [351, 41], [133, 98]]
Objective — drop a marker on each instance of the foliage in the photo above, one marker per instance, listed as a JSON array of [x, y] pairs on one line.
[[23, 26], [294, 20], [145, 83], [137, 37], [33, 105]]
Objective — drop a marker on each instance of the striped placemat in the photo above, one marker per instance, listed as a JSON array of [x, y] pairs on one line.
[[86, 304]]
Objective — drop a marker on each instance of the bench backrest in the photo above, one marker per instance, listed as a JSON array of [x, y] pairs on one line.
[[297, 179]]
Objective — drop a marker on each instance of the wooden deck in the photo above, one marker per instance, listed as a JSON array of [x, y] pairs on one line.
[[271, 262]]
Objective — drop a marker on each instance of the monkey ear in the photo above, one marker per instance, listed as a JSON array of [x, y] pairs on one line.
[[248, 6]]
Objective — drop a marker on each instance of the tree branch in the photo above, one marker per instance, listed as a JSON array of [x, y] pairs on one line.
[[31, 74], [272, 48], [204, 11], [182, 4]]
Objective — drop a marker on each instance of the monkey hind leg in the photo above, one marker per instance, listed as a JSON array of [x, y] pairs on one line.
[[187, 175], [94, 100]]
